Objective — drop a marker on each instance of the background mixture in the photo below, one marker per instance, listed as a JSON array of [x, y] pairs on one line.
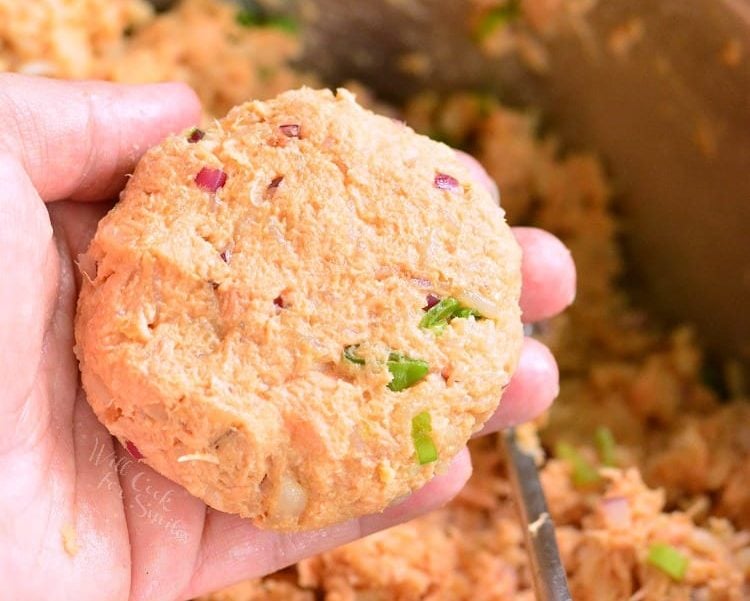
[[648, 446]]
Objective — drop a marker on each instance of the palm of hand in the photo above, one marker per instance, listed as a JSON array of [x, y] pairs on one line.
[[66, 482], [78, 514]]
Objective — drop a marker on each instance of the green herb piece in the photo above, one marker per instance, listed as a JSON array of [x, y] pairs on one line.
[[584, 473], [498, 17], [605, 444], [421, 428], [406, 372], [283, 22], [350, 354], [466, 312], [258, 18], [248, 18], [668, 559], [438, 317]]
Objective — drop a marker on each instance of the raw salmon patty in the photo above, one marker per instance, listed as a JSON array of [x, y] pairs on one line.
[[301, 313]]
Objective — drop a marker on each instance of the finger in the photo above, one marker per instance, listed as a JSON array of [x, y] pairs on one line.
[[548, 274], [233, 549], [533, 387], [29, 266], [91, 504], [164, 526], [479, 173], [75, 224], [79, 139]]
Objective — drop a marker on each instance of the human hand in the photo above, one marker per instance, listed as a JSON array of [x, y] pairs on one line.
[[132, 534]]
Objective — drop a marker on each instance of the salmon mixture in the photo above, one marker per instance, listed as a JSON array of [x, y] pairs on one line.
[[648, 446]]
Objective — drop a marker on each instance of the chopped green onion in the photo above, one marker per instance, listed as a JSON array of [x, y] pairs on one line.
[[605, 444], [669, 560], [258, 18], [421, 423], [466, 312], [350, 354], [497, 17], [421, 428], [247, 18], [584, 473], [283, 22], [406, 372], [438, 317]]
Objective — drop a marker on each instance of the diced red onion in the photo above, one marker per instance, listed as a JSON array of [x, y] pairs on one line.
[[290, 130], [616, 511], [443, 181], [133, 450], [226, 255], [196, 135], [211, 179], [273, 186], [432, 300], [279, 302], [421, 282]]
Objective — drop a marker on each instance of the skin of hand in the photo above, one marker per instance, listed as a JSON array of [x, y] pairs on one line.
[[65, 150]]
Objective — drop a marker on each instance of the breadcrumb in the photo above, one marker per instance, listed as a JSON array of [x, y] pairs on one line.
[[70, 544]]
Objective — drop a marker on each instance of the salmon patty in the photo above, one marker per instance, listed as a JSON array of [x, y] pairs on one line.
[[300, 313]]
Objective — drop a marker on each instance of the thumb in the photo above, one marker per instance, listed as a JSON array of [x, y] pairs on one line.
[[28, 285], [78, 139]]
